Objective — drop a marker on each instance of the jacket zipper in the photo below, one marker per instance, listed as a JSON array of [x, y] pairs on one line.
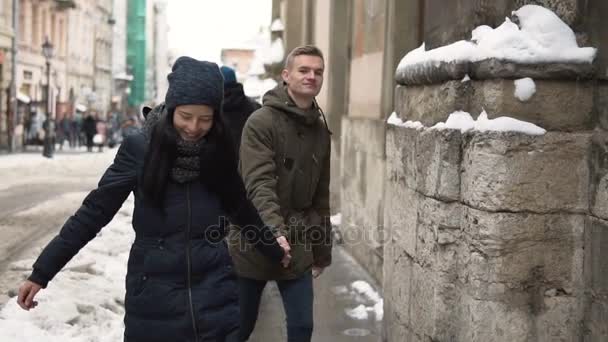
[[189, 263]]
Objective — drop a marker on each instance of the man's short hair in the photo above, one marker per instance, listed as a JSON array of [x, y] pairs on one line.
[[308, 50]]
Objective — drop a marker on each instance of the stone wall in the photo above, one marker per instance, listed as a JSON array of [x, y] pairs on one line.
[[362, 190], [492, 237], [499, 236]]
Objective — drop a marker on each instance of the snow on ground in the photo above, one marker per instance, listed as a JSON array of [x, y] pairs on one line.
[[22, 168], [336, 220], [85, 301], [525, 88], [541, 37], [366, 294]]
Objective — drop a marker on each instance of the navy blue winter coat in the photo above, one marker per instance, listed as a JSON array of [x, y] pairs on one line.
[[180, 277]]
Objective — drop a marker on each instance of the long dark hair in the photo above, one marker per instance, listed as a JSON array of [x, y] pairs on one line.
[[217, 154]]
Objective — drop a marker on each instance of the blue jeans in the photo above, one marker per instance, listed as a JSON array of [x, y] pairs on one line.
[[297, 295]]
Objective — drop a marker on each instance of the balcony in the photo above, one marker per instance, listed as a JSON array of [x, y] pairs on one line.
[[65, 4]]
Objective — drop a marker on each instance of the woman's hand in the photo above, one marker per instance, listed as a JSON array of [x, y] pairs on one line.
[[286, 248], [27, 292]]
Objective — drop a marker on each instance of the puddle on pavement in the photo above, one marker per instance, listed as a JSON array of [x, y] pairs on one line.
[[356, 332]]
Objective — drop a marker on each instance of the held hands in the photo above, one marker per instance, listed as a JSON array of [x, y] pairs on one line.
[[27, 292], [286, 248], [316, 271]]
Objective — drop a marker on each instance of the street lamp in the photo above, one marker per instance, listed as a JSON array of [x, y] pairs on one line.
[[49, 124]]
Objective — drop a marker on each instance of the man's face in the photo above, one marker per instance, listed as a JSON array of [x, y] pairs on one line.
[[304, 77]]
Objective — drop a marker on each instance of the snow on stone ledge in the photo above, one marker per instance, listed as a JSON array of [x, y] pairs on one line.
[[464, 122], [541, 37], [525, 88], [396, 121]]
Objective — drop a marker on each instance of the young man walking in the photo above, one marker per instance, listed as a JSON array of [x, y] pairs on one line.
[[284, 162]]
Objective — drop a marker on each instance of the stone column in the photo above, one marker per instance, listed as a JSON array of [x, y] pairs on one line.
[[498, 236]]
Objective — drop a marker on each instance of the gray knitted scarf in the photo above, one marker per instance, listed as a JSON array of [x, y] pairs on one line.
[[186, 167]]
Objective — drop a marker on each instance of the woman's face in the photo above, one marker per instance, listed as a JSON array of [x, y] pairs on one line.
[[193, 122]]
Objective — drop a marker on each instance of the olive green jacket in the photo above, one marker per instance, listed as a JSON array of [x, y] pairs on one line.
[[284, 163]]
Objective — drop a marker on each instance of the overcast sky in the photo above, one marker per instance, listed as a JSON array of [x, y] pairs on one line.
[[200, 28]]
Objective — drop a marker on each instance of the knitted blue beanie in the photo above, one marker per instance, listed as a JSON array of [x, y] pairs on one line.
[[193, 82]]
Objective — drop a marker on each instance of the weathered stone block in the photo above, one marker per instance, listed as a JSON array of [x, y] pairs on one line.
[[438, 158], [599, 174], [422, 308], [430, 160], [596, 329], [438, 225], [397, 285], [556, 105], [431, 104], [596, 256], [522, 173], [495, 321], [516, 256], [560, 319], [401, 155], [601, 104], [401, 217]]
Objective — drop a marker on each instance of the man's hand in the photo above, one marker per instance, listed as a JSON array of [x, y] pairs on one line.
[[286, 248], [27, 292], [316, 271]]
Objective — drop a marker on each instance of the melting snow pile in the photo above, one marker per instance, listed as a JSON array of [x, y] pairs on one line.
[[373, 302]]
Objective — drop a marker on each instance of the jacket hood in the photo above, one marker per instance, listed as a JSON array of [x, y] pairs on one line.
[[234, 96], [153, 117], [279, 99]]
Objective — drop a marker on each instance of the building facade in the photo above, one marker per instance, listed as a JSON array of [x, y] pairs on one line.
[[137, 51], [161, 58], [120, 72], [40, 21], [6, 36]]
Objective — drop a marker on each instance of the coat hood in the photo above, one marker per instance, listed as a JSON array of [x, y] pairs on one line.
[[234, 97], [279, 98]]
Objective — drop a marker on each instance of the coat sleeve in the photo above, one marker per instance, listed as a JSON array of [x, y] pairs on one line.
[[323, 245], [258, 170], [244, 216], [96, 211]]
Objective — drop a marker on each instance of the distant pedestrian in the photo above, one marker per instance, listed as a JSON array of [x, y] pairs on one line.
[[101, 133], [237, 106], [89, 128]]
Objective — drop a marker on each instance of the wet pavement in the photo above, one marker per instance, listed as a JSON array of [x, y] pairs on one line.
[[333, 298]]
